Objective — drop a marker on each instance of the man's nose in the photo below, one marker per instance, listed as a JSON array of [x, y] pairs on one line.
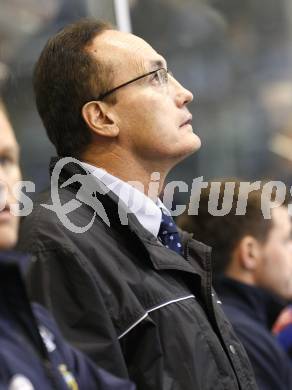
[[3, 191], [182, 95]]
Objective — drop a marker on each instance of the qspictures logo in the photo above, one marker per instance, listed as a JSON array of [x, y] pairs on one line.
[[86, 194], [131, 199]]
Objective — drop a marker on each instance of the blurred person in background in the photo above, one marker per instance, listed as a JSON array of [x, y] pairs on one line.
[[33, 354], [131, 294], [252, 259], [282, 329]]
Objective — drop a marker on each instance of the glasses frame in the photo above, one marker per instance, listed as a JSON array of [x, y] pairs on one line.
[[103, 95]]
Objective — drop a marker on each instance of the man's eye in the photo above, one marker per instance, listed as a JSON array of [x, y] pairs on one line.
[[6, 160], [155, 77]]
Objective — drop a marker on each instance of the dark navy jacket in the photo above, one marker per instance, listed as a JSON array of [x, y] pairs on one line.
[[137, 308], [33, 354], [252, 312]]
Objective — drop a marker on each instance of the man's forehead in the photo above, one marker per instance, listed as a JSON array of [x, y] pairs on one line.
[[120, 46]]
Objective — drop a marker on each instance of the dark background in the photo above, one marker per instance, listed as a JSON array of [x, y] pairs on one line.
[[234, 55]]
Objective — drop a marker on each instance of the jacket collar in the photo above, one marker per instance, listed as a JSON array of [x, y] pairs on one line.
[[12, 257], [257, 302], [12, 268]]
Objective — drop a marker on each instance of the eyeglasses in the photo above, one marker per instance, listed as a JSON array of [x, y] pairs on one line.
[[162, 75]]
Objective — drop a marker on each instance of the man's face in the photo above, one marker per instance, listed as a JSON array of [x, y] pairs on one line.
[[275, 270], [152, 118], [9, 175]]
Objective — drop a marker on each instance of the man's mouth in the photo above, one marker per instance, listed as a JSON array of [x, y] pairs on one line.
[[188, 121], [5, 214]]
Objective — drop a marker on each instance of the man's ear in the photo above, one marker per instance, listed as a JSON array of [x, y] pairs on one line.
[[249, 253], [100, 119]]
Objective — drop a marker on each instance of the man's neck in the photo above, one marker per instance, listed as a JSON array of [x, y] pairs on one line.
[[240, 275], [147, 178]]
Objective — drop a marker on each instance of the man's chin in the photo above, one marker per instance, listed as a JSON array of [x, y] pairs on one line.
[[8, 239], [186, 152], [197, 142], [192, 146]]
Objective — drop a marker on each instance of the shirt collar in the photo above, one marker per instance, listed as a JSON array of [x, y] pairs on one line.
[[145, 209]]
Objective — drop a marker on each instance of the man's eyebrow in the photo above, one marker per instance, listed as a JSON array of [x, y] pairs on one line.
[[158, 64], [10, 150]]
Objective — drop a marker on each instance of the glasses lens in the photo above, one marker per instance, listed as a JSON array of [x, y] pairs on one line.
[[163, 76]]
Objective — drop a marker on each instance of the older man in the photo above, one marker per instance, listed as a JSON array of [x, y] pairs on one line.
[[130, 290]]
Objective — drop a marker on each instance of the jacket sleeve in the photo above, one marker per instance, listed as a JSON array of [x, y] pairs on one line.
[[59, 280], [84, 371]]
